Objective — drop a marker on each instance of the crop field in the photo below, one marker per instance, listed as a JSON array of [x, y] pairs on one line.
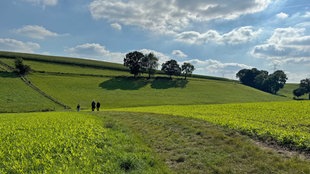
[[159, 125], [287, 123], [70, 143]]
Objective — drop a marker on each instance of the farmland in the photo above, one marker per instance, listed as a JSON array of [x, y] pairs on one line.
[[70, 143], [200, 125], [287, 123]]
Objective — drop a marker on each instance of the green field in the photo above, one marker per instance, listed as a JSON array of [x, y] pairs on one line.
[[200, 125], [70, 143], [287, 123], [16, 96]]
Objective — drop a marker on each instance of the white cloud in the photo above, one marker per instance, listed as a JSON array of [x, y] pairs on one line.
[[116, 26], [95, 51], [236, 36], [282, 15], [179, 53], [43, 3], [36, 32], [213, 67], [172, 16], [18, 46], [205, 67], [285, 45], [307, 15]]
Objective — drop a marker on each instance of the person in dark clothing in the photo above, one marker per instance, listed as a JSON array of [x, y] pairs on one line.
[[78, 107], [93, 105], [98, 106]]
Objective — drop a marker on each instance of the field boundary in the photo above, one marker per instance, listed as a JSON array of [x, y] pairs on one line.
[[8, 67], [27, 82]]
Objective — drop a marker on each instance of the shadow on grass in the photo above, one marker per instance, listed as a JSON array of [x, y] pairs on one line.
[[131, 83], [8, 74], [124, 83], [165, 83]]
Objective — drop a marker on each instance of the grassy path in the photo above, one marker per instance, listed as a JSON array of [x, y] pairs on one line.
[[194, 146]]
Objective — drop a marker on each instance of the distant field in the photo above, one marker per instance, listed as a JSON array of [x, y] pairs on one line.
[[127, 92], [287, 123], [63, 60], [16, 96]]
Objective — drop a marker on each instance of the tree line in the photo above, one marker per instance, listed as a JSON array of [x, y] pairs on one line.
[[271, 83], [139, 63], [262, 80]]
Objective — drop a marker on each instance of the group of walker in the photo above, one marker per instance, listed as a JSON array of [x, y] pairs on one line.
[[94, 106]]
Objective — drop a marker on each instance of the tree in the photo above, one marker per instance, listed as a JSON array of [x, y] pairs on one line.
[[305, 83], [247, 76], [133, 61], [171, 67], [275, 82], [149, 64], [299, 92], [21, 68], [260, 79], [187, 69]]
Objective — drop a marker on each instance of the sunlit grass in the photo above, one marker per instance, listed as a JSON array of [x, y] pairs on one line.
[[70, 143]]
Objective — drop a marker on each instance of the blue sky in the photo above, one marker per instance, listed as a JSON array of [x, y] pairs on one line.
[[218, 37]]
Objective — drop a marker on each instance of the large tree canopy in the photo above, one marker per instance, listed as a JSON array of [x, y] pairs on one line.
[[262, 80], [171, 67], [133, 61]]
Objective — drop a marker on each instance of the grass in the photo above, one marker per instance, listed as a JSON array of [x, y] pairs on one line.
[[71, 143], [142, 92], [126, 142], [63, 60], [190, 145], [286, 123], [16, 96]]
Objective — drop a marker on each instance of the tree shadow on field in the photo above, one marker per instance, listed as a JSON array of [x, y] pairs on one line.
[[4, 74], [124, 83], [165, 83]]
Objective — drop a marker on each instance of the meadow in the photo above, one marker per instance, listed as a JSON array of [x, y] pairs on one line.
[[16, 96], [199, 125], [286, 123]]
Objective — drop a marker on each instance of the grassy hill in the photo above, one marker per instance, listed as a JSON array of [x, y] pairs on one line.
[[118, 141], [79, 81]]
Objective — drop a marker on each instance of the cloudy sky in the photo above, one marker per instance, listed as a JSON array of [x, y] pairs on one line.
[[219, 37]]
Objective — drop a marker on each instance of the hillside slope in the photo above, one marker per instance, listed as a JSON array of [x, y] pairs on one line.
[[77, 81]]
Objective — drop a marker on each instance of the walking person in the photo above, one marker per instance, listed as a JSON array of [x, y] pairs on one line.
[[93, 106], [78, 107], [98, 106]]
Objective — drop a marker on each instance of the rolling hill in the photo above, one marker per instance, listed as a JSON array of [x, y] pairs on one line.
[[200, 125], [79, 81]]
